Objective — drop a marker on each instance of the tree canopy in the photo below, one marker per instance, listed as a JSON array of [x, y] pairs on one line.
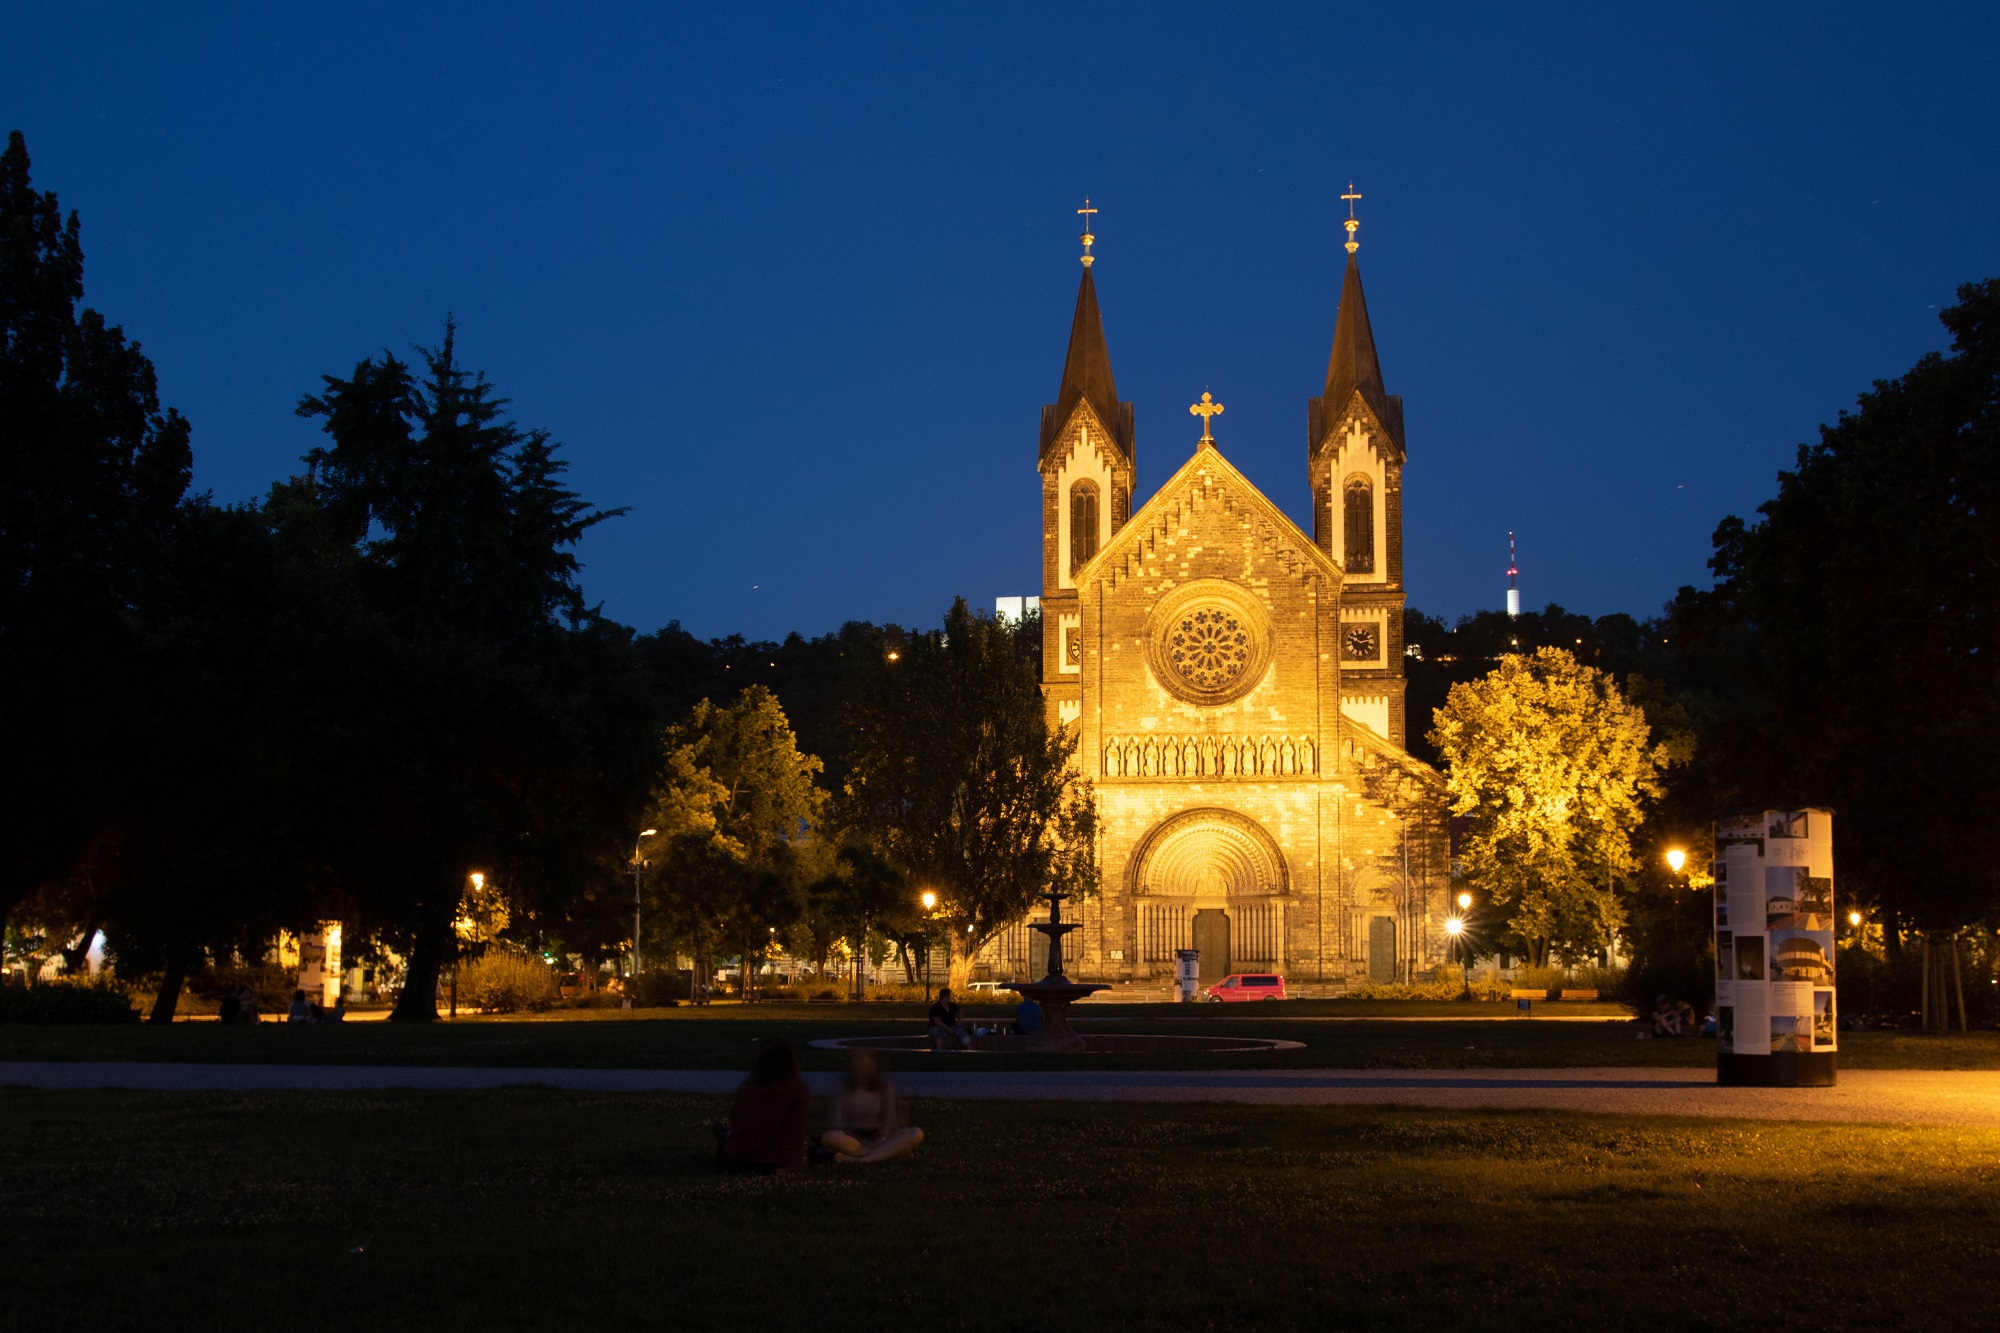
[[960, 777], [1553, 765], [493, 721], [93, 472], [1851, 640]]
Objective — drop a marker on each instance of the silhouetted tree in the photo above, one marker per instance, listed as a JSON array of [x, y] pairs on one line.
[[493, 721], [92, 474], [960, 778], [1849, 648]]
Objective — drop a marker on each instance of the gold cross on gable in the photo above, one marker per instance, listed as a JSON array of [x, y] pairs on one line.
[[1085, 213], [1351, 224], [1206, 409]]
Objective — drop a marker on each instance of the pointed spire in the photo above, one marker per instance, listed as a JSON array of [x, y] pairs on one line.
[[1353, 365], [1086, 373]]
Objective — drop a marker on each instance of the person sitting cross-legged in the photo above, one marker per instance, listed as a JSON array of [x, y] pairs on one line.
[[863, 1129]]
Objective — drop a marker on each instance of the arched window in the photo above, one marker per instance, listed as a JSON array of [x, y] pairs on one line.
[[1082, 524], [1358, 524]]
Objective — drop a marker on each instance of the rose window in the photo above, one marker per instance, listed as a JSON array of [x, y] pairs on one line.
[[1210, 648]]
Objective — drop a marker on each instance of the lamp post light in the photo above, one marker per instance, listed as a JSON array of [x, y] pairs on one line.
[[930, 914], [1676, 858], [637, 866], [1465, 946]]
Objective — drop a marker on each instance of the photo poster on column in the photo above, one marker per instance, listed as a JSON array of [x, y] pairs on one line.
[[1774, 946], [1798, 916], [1791, 1017], [1740, 906], [1825, 1022]]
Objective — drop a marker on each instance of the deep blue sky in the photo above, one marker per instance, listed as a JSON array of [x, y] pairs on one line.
[[793, 283]]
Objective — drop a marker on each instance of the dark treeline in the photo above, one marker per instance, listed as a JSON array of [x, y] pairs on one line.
[[378, 697], [331, 705], [1848, 656]]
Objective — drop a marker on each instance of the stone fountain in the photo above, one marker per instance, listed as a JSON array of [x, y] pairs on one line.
[[1055, 993]]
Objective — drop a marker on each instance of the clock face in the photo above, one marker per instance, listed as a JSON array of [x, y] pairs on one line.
[[1359, 642]]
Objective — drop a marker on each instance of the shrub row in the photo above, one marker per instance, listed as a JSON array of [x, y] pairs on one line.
[[66, 1002]]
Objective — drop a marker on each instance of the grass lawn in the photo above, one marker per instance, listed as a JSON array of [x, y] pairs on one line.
[[725, 1037], [539, 1209]]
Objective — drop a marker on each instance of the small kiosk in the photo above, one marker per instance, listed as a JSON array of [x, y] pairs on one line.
[[1774, 956]]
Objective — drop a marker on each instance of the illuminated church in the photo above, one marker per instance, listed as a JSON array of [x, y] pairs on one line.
[[1236, 686]]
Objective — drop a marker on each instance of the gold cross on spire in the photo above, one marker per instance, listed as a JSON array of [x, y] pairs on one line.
[[1351, 224], [1206, 409], [1085, 212]]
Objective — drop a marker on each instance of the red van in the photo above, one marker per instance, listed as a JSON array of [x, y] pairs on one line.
[[1241, 986]]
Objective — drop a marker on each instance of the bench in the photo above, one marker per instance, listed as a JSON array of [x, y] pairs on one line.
[[1530, 994], [1582, 996]]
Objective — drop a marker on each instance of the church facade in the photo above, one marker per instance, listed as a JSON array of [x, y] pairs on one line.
[[1235, 686]]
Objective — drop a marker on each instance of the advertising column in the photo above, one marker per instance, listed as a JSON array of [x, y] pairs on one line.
[[1774, 1005]]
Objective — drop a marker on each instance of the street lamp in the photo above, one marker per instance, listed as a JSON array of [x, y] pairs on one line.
[[637, 866], [1676, 858], [1464, 902], [1455, 928], [930, 909]]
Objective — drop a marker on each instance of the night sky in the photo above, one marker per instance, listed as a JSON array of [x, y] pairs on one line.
[[793, 284]]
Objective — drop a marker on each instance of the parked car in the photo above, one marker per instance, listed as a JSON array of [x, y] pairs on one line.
[[1242, 986]]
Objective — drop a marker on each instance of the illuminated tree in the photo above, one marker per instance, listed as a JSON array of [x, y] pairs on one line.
[[1553, 764], [735, 809]]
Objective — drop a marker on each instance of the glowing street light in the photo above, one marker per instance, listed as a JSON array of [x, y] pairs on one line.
[[1464, 902], [637, 866], [1454, 927], [930, 905], [1854, 918], [1676, 858]]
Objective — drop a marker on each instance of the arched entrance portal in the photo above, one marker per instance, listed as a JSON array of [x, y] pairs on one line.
[[1213, 880]]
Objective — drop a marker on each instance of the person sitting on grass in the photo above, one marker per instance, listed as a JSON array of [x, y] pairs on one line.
[[766, 1133], [1027, 1017], [947, 1032], [337, 1014], [300, 1012], [1666, 1018], [863, 1127]]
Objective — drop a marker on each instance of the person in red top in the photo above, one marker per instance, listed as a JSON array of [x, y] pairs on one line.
[[767, 1123]]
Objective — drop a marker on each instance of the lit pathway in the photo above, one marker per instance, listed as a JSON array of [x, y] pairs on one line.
[[1899, 1096]]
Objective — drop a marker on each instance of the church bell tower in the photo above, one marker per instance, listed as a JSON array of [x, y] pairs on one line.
[[1354, 462], [1087, 466]]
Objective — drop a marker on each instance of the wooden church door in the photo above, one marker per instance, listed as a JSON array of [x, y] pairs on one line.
[[1211, 937]]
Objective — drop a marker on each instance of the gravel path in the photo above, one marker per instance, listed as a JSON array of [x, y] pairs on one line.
[[1919, 1097]]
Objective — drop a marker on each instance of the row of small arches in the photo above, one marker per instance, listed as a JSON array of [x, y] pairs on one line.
[[1208, 756]]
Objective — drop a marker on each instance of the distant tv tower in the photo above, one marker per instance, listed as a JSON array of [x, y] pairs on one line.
[[1513, 573]]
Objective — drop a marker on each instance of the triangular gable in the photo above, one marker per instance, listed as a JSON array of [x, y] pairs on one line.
[[1102, 438], [1155, 510], [1326, 430]]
